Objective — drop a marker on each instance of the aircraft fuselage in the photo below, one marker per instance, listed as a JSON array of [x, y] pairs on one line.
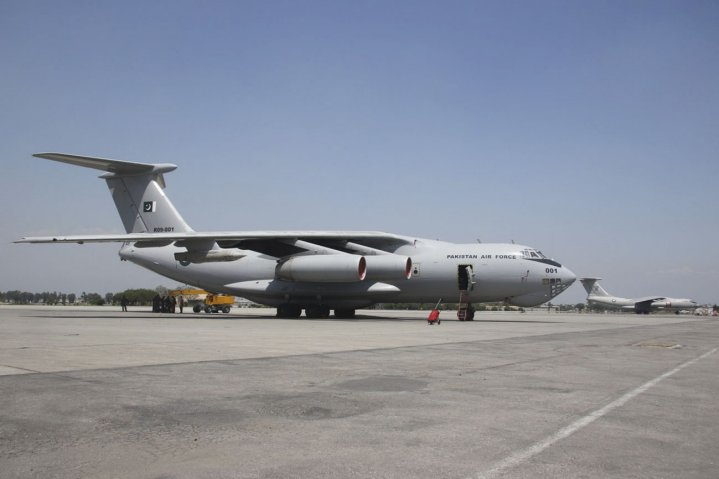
[[492, 272]]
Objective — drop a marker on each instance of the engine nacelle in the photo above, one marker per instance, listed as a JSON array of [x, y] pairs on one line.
[[323, 268], [211, 256], [387, 267]]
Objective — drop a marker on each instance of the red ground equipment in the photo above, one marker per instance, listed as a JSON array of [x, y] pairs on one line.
[[434, 314]]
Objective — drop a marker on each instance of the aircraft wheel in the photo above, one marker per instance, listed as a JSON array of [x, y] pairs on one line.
[[289, 311], [344, 313], [317, 312], [226, 309]]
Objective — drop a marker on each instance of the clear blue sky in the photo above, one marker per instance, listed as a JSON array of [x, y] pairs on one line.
[[589, 130]]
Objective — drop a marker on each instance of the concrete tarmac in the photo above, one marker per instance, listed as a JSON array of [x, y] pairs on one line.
[[94, 392]]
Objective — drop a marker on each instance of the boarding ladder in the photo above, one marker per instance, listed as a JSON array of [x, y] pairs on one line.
[[465, 312]]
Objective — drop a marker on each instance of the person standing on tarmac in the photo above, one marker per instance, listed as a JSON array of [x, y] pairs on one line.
[[123, 303], [156, 303], [180, 302]]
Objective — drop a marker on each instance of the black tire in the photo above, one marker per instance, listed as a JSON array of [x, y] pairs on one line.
[[317, 312], [197, 308], [289, 311], [345, 313], [226, 309]]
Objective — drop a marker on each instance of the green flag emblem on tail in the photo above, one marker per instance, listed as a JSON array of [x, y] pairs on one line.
[[148, 207]]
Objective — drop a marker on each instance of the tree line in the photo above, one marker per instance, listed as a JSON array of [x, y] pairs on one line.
[[135, 297]]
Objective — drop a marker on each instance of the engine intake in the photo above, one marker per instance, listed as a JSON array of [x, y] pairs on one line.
[[323, 268]]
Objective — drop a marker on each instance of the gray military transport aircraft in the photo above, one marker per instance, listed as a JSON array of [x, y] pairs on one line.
[[315, 271], [598, 296]]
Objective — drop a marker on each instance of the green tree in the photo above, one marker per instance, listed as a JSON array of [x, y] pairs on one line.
[[137, 297], [94, 299]]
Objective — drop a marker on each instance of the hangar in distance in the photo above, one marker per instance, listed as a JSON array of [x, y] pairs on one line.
[[314, 271], [596, 295]]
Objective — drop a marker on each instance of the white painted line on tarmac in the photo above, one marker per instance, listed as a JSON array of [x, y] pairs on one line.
[[521, 456]]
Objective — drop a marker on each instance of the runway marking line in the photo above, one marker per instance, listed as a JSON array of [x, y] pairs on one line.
[[521, 456]]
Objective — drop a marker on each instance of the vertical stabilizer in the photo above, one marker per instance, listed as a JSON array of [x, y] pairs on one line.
[[143, 205], [138, 192], [592, 287]]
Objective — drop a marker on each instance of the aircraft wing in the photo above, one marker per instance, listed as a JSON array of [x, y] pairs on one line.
[[648, 299], [645, 304], [273, 243]]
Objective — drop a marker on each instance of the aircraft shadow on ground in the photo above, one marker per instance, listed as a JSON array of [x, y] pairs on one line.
[[239, 317]]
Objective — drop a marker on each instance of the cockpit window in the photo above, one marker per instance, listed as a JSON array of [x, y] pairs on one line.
[[536, 255], [533, 254]]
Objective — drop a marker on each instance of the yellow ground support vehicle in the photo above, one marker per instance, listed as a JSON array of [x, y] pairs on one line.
[[201, 300]]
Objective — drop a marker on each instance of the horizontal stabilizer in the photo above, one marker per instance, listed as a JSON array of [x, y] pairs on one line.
[[111, 166]]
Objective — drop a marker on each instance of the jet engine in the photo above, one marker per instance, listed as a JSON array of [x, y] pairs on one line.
[[323, 268], [388, 267]]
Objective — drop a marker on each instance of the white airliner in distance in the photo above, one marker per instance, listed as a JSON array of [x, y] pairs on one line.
[[314, 271], [596, 295]]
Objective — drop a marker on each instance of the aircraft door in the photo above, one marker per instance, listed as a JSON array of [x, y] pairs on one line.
[[465, 277]]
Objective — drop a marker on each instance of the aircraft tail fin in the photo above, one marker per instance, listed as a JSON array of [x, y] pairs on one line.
[[592, 287], [138, 192]]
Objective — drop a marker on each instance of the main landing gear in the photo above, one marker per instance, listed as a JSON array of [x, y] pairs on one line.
[[293, 311], [289, 311]]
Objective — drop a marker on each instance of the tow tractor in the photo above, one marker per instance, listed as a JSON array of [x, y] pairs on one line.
[[212, 303]]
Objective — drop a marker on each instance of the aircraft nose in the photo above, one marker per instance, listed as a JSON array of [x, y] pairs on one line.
[[567, 276]]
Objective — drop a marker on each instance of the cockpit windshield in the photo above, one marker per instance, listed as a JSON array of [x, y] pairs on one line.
[[536, 255], [533, 254]]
